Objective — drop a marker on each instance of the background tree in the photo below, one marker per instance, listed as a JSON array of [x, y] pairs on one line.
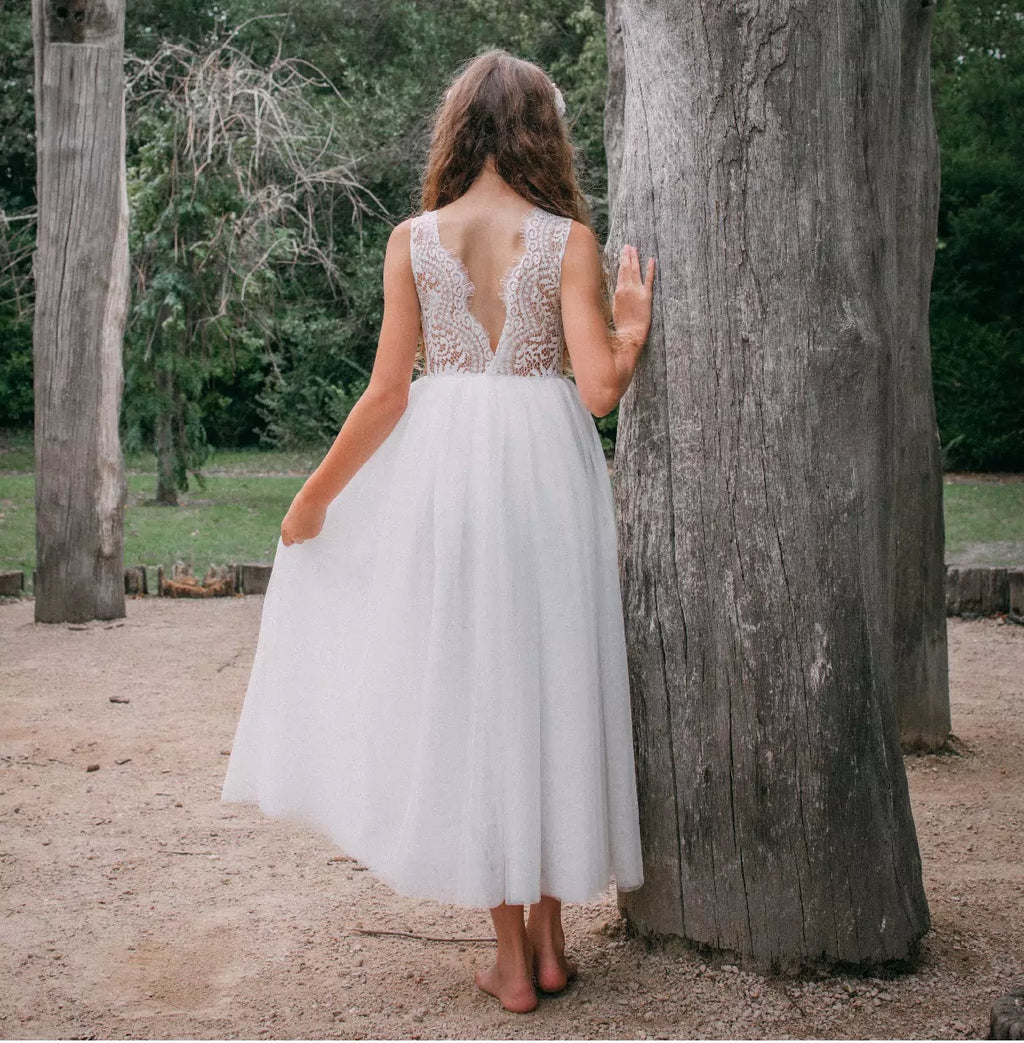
[[237, 176], [921, 691], [755, 477], [81, 284]]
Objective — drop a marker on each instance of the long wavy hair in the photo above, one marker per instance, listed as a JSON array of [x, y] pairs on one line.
[[503, 107]]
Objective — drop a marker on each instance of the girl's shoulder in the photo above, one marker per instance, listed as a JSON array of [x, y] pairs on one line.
[[582, 240], [401, 233]]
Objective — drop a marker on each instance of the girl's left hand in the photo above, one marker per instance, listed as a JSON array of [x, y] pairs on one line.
[[304, 520]]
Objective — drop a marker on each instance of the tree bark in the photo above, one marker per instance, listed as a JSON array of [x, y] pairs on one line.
[[754, 477], [616, 98], [81, 275], [922, 667]]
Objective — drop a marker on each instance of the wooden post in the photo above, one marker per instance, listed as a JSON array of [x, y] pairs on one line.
[[81, 275], [755, 477]]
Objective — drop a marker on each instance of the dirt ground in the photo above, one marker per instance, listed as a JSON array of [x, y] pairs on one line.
[[135, 904]]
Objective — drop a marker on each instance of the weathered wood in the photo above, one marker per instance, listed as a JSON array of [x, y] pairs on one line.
[[754, 479], [977, 589], [254, 579], [12, 584], [1015, 590], [922, 666], [218, 582], [135, 580], [615, 99], [81, 276]]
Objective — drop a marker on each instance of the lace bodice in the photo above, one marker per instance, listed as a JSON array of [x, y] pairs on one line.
[[531, 342]]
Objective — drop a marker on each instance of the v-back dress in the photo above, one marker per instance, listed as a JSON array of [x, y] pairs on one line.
[[440, 681]]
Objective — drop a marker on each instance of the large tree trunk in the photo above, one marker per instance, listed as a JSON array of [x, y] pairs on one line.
[[754, 477], [81, 274], [922, 669]]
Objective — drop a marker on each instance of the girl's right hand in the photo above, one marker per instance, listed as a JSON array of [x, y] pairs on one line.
[[631, 308], [304, 520]]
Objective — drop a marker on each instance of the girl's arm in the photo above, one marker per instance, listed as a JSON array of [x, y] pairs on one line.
[[378, 409], [603, 361]]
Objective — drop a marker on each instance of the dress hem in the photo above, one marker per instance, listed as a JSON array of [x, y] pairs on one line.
[[442, 898]]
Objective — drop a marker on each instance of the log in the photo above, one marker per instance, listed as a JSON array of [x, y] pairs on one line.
[[135, 580], [1015, 591], [218, 582], [980, 590], [254, 578], [12, 584], [755, 471]]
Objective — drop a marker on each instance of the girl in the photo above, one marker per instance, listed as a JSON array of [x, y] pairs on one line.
[[440, 680]]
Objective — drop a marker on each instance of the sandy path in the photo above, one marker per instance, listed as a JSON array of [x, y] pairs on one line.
[[133, 903]]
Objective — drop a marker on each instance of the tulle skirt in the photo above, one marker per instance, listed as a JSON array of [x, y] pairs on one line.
[[440, 681]]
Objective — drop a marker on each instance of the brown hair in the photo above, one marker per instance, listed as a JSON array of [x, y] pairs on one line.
[[503, 107]]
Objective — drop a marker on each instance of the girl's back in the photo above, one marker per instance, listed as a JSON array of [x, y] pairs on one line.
[[488, 277]]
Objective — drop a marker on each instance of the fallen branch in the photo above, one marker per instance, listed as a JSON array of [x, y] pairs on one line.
[[421, 937]]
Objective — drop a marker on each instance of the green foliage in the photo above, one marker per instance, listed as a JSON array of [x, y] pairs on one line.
[[238, 335], [17, 196], [978, 284], [17, 111], [17, 240], [607, 425], [314, 383], [15, 370]]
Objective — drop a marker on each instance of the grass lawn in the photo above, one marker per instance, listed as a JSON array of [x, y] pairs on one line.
[[984, 519], [235, 518], [231, 520]]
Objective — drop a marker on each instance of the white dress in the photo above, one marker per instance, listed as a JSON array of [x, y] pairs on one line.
[[440, 682]]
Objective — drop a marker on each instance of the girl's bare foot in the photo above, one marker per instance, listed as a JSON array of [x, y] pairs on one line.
[[513, 985], [510, 978], [552, 970]]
